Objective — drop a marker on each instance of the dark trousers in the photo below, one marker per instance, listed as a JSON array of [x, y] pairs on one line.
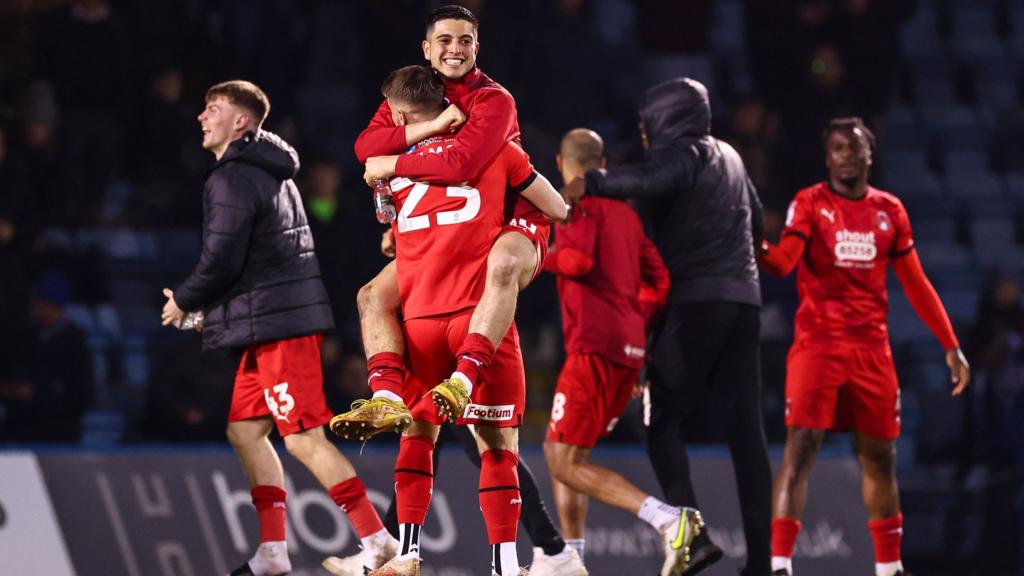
[[535, 517], [705, 350]]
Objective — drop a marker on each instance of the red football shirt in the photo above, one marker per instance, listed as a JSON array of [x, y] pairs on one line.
[[841, 277], [600, 307], [491, 121], [443, 234]]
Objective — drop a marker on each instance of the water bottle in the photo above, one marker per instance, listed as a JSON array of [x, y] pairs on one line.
[[383, 202], [192, 321]]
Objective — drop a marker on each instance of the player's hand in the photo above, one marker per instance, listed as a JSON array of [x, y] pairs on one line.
[[379, 167], [387, 243], [959, 370], [449, 120], [171, 314], [573, 191], [639, 388]]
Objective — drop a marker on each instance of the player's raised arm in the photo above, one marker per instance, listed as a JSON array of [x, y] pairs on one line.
[[477, 143]]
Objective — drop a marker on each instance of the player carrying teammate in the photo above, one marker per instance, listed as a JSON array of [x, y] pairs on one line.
[[840, 374], [442, 239], [605, 267]]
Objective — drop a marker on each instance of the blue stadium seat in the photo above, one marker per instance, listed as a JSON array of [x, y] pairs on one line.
[[968, 176], [997, 94], [1017, 33], [921, 34], [945, 258], [1015, 186], [906, 173], [935, 230], [102, 428], [727, 30], [901, 129], [904, 325], [961, 305], [960, 128]]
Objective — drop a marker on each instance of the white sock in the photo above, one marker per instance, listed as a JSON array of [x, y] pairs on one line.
[[270, 558], [782, 563], [465, 380], [389, 395], [373, 545], [657, 513], [576, 545], [504, 559], [888, 568]]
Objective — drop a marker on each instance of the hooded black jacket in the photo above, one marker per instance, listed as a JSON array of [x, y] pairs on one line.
[[257, 279], [705, 214]]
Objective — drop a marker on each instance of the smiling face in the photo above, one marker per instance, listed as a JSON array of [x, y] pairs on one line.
[[222, 123], [451, 47], [848, 156]]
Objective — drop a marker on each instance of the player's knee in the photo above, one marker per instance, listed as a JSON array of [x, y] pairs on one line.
[[504, 269], [367, 300], [560, 463], [879, 464], [300, 446], [239, 436]]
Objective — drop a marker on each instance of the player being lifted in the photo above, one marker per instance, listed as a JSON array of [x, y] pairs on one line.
[[610, 280], [840, 376]]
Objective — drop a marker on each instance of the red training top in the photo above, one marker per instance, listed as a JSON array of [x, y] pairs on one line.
[[604, 262]]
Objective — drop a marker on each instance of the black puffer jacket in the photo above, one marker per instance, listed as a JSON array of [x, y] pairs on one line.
[[705, 213], [257, 279]]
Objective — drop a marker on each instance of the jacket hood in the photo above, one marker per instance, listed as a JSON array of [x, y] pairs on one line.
[[676, 109], [264, 150]]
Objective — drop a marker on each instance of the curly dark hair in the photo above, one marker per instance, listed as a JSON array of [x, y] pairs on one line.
[[848, 123]]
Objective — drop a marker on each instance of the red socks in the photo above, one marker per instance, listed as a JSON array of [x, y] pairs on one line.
[[887, 534], [350, 496], [500, 501], [269, 503], [386, 371], [414, 479], [474, 356], [784, 532]]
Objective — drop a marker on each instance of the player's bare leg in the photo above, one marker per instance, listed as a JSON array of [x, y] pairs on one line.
[[500, 500], [570, 465], [511, 264], [413, 487], [378, 303], [251, 441], [572, 511], [882, 498], [337, 475], [789, 494]]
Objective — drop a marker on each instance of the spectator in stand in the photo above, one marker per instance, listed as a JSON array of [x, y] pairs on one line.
[[46, 396]]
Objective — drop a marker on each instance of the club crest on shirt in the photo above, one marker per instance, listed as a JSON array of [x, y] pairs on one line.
[[883, 221], [855, 249]]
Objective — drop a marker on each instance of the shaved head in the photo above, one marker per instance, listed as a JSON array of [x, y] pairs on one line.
[[584, 148]]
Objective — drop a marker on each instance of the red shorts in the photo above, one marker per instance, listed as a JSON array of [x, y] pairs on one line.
[[498, 398], [843, 389], [283, 379], [591, 393], [537, 231]]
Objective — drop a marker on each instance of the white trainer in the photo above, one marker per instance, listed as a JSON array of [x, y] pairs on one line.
[[567, 563]]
